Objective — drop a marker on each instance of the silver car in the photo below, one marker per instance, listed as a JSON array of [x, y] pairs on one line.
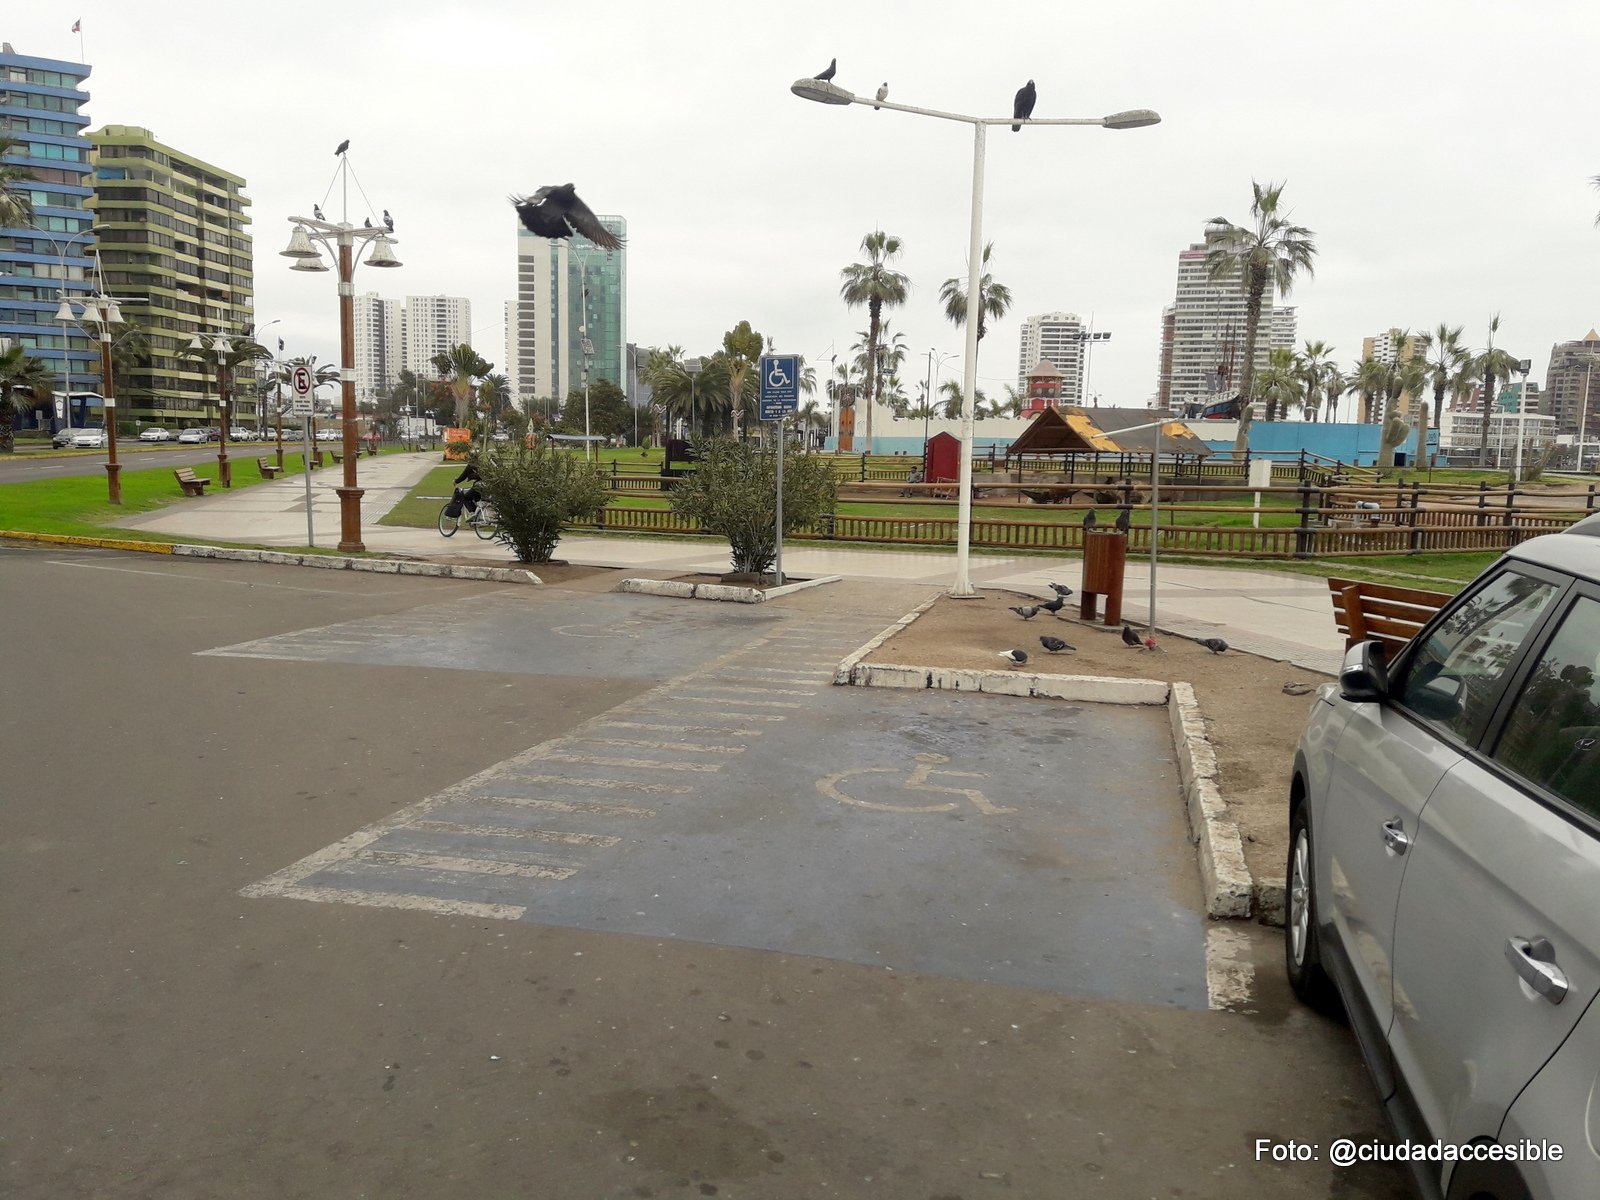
[[1444, 875]]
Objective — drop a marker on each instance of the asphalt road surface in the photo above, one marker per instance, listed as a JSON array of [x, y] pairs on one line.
[[332, 884], [136, 457]]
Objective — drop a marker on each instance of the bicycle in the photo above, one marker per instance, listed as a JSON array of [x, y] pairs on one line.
[[481, 519]]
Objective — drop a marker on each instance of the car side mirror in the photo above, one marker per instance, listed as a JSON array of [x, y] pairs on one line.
[[1364, 679]]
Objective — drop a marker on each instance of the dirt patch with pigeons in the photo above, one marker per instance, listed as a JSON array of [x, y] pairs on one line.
[[1252, 721]]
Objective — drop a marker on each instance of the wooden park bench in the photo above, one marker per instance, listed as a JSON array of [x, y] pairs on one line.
[[268, 470], [337, 456], [191, 483], [370, 449], [1392, 615]]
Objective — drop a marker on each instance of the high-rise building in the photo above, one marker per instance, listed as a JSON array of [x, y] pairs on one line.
[[434, 325], [1391, 347], [174, 232], [41, 103], [508, 365], [553, 276], [380, 345], [1572, 385], [1058, 338], [1200, 360]]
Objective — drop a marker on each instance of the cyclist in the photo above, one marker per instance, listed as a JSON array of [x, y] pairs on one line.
[[474, 494]]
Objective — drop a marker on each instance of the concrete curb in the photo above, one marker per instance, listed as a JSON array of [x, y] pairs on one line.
[[1085, 689], [339, 562], [1223, 872], [728, 593], [843, 672], [70, 539]]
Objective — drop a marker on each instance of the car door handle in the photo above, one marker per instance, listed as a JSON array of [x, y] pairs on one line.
[[1535, 961], [1395, 837]]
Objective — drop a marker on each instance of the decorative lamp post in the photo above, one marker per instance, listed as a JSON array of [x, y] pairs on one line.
[[347, 243], [824, 92], [208, 345], [104, 314]]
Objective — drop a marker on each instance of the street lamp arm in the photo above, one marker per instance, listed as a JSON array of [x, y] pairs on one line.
[[828, 93]]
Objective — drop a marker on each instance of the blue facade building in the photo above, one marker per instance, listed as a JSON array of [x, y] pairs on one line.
[[41, 106]]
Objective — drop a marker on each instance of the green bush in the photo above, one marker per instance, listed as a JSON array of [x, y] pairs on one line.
[[733, 491], [535, 490]]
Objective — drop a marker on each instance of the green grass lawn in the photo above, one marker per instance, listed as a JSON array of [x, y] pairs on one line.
[[420, 508]]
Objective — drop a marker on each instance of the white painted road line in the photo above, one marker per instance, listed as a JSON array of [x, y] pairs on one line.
[[666, 701], [735, 700], [471, 866], [1230, 973], [644, 764], [753, 691], [185, 577], [679, 728], [616, 785], [377, 899], [503, 831], [692, 747], [571, 806]]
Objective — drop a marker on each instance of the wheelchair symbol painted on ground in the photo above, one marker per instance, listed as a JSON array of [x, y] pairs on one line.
[[917, 781]]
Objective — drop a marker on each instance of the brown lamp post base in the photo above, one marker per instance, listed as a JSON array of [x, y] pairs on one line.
[[224, 471], [350, 520], [114, 482]]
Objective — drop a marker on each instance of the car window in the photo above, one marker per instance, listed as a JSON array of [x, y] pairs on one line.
[[1453, 676], [1552, 737]]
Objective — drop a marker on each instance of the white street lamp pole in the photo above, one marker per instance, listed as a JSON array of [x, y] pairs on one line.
[[825, 92], [1523, 368], [66, 350]]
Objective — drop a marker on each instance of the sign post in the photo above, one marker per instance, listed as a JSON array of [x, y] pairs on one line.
[[780, 397], [302, 405]]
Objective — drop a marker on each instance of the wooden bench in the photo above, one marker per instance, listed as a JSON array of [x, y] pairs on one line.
[[337, 456], [1391, 615], [268, 470], [191, 483], [370, 449]]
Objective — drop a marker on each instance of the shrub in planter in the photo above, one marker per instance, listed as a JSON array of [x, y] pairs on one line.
[[733, 491], [535, 490]]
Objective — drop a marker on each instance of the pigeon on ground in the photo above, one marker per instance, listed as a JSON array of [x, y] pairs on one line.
[[1027, 611], [1215, 645], [1023, 108], [388, 221], [343, 146], [826, 75], [1053, 606], [1055, 645], [1124, 519], [1015, 657], [1061, 589], [555, 211], [883, 94], [1090, 520], [1131, 639], [316, 211]]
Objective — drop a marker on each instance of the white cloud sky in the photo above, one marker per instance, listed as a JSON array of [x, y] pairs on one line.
[[1440, 150]]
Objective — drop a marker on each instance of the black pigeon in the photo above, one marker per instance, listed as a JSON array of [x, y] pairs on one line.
[[833, 65], [316, 211], [883, 93], [1055, 645], [1015, 657], [1054, 606], [1089, 520], [556, 212], [1061, 589], [388, 221], [1131, 639], [1215, 645], [1023, 109], [367, 223], [1124, 519], [1027, 612], [343, 146]]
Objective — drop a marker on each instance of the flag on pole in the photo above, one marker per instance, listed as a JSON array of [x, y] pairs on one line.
[[77, 26]]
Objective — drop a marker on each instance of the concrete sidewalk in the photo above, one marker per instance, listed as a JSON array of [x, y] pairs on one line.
[[1271, 613]]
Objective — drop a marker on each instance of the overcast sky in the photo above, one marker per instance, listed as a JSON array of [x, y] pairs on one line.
[[1441, 151]]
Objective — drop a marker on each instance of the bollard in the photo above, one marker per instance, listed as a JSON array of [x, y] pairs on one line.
[[1105, 556]]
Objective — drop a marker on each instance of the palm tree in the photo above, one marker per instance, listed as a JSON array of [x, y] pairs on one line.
[[1492, 364], [1269, 250], [494, 394], [1012, 405], [24, 383], [16, 200], [1313, 366], [1281, 385], [1334, 385], [953, 397], [874, 284], [1372, 380], [242, 351], [462, 364], [996, 298], [1442, 352], [694, 397]]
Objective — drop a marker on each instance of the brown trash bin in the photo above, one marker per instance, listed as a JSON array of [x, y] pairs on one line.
[[1105, 555]]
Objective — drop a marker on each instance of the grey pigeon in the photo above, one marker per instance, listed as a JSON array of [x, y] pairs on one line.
[[1054, 606], [366, 223], [1027, 611], [1215, 645], [1124, 519], [883, 94], [1090, 520], [1055, 645], [555, 211], [316, 211], [1060, 589], [1131, 639], [1023, 108], [343, 146], [388, 221], [826, 75], [1015, 657]]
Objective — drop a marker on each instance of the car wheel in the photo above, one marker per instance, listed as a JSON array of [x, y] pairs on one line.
[[1301, 951]]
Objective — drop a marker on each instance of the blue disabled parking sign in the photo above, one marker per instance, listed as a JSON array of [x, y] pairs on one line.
[[780, 386]]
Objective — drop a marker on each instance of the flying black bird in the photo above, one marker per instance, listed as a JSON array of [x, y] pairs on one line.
[[825, 75], [1131, 639], [1023, 108], [1027, 612], [343, 146], [1124, 519], [1055, 645], [555, 211], [1053, 606], [388, 221], [883, 94], [367, 223], [1015, 657], [316, 211], [1089, 520], [1061, 589], [1215, 645]]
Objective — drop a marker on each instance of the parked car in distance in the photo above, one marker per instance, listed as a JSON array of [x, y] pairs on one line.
[[327, 434], [241, 434], [90, 438], [213, 434], [1444, 872], [193, 437], [156, 433], [63, 437]]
